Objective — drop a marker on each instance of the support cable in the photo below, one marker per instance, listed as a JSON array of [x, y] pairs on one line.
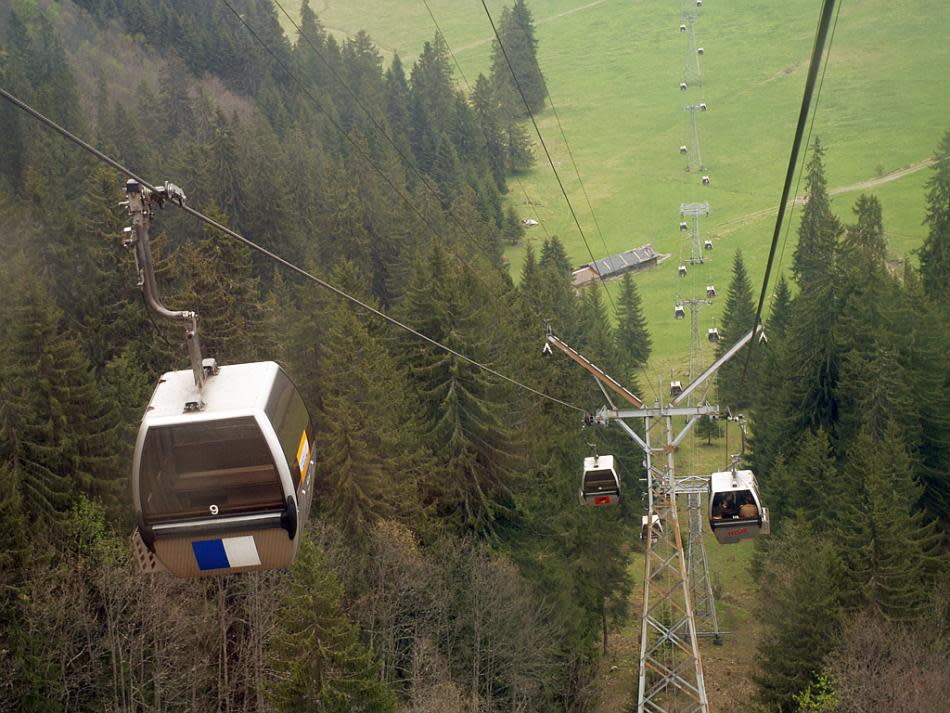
[[816, 56], [577, 173], [801, 167], [547, 153], [380, 128], [49, 123]]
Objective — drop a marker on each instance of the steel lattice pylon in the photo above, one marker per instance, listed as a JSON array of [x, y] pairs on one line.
[[697, 566], [694, 154], [695, 211], [671, 670], [670, 677], [692, 72]]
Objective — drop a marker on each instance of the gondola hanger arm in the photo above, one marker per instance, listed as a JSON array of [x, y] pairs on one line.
[[598, 373]]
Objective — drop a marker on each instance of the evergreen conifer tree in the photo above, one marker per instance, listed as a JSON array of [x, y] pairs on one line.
[[887, 544], [58, 436], [553, 253], [323, 665], [372, 468], [935, 252], [490, 122], [737, 319], [801, 589], [633, 339], [708, 428], [518, 42], [813, 356], [221, 287], [464, 412]]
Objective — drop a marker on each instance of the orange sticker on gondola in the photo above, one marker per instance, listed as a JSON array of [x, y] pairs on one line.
[[303, 455]]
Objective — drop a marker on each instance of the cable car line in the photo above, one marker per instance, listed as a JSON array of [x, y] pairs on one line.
[[816, 56], [547, 153], [468, 85], [49, 123], [801, 168], [577, 173], [380, 128]]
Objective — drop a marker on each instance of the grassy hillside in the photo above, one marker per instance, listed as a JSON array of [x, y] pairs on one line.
[[613, 68]]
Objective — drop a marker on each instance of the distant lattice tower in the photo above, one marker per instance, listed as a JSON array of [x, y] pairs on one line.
[[692, 71], [694, 154], [694, 211]]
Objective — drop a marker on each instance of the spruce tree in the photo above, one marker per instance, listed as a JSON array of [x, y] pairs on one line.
[[323, 666], [866, 237], [814, 492], [490, 122], [708, 428], [219, 284], [596, 336], [464, 410], [397, 98], [934, 254], [553, 253], [373, 467], [737, 319], [513, 229], [801, 614], [781, 308], [633, 339], [516, 30], [888, 546], [58, 436], [813, 355], [813, 259]]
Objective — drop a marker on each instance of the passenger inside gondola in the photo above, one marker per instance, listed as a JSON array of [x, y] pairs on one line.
[[747, 508], [725, 507]]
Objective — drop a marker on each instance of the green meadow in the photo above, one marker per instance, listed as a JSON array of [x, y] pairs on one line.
[[613, 68]]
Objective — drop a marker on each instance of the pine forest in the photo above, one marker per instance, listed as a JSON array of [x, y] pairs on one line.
[[446, 565]]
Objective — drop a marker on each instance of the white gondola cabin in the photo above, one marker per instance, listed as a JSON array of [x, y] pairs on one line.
[[600, 484], [710, 290], [684, 150], [708, 245], [713, 334], [702, 106], [700, 50], [225, 488], [684, 226], [682, 28], [657, 532], [676, 388], [683, 86], [679, 312], [705, 180], [735, 509], [682, 270]]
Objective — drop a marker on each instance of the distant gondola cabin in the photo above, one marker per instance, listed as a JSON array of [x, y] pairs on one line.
[[600, 484]]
